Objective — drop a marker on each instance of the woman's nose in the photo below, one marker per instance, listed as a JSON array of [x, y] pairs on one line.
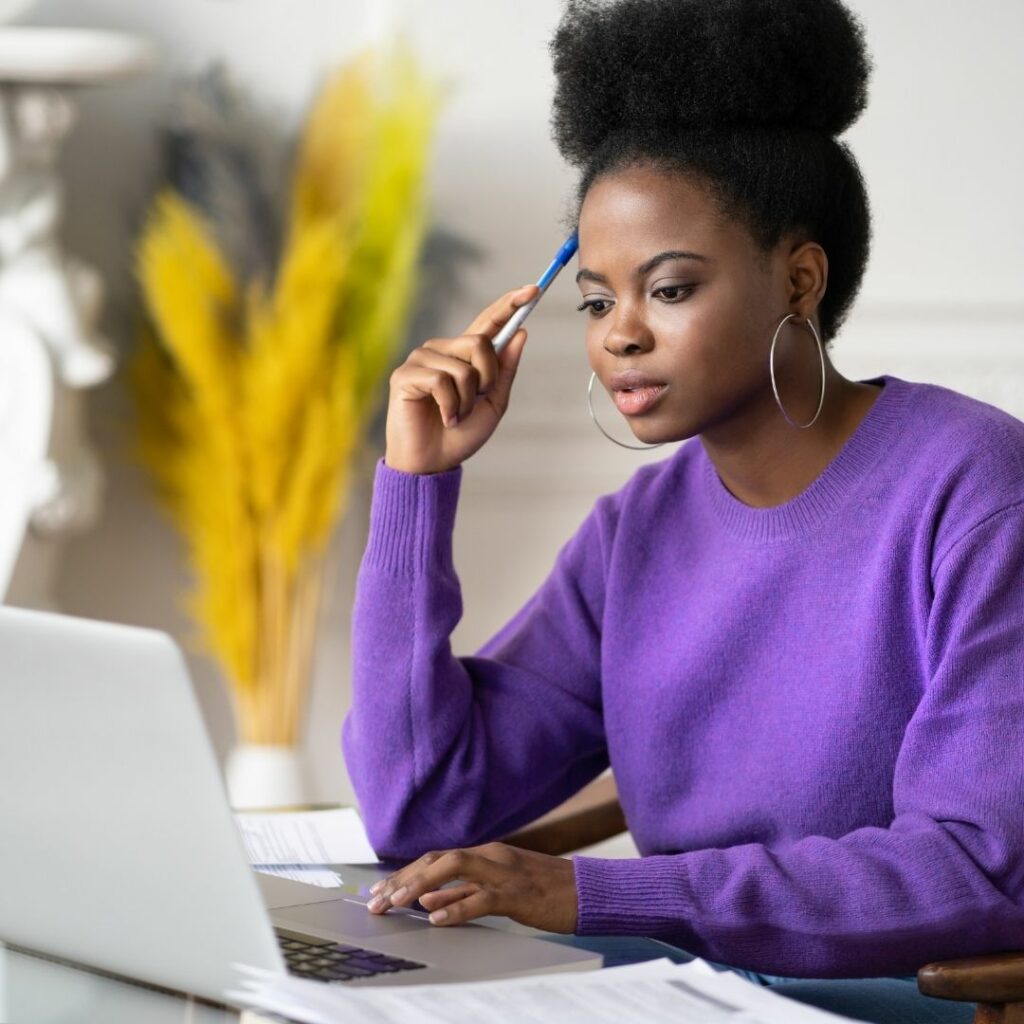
[[628, 336]]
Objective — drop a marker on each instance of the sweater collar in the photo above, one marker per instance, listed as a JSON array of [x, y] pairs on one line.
[[874, 435]]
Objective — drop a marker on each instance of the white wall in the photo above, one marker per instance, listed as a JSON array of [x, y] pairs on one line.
[[941, 148]]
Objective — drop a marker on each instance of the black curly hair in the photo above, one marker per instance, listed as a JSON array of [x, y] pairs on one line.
[[746, 96]]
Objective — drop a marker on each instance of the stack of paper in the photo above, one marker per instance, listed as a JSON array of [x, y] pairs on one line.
[[299, 846], [657, 992]]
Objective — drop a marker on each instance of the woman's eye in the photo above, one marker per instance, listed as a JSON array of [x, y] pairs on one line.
[[675, 292], [596, 306], [670, 293]]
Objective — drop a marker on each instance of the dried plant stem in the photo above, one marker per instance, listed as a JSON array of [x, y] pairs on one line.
[[257, 725], [273, 711], [299, 667]]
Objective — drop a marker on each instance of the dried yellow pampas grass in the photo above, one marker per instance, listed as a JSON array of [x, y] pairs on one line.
[[253, 397]]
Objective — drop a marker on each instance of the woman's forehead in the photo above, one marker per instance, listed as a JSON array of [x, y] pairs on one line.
[[633, 214]]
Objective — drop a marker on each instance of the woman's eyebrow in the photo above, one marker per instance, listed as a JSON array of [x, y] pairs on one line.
[[671, 254], [646, 268]]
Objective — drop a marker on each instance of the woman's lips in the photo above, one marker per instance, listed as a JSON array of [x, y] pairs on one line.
[[637, 401], [635, 392]]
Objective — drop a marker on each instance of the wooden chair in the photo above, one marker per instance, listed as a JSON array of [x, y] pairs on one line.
[[995, 983]]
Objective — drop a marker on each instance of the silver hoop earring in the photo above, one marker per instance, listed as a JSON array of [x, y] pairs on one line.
[[771, 371], [621, 444]]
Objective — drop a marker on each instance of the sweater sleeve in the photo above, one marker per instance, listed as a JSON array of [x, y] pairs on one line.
[[448, 751], [944, 879]]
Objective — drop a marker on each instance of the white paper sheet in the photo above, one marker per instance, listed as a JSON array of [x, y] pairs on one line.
[[324, 878], [657, 992], [306, 837]]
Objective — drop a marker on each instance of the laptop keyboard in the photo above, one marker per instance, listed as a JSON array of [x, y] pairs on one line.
[[326, 960]]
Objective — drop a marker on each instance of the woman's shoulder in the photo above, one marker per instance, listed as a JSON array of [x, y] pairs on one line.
[[955, 412], [959, 461], [952, 435]]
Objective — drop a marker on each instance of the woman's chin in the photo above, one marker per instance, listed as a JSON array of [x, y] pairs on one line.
[[654, 437]]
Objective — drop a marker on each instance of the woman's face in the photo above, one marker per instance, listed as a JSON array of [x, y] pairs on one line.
[[698, 327]]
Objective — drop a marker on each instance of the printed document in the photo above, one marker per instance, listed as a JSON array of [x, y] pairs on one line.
[[308, 874], [315, 838], [657, 992]]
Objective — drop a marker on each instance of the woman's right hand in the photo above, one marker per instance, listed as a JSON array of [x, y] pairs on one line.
[[449, 395]]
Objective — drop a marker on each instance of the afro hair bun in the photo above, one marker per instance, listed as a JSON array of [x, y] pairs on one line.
[[623, 65]]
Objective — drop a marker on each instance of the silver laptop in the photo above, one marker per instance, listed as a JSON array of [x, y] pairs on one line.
[[119, 850]]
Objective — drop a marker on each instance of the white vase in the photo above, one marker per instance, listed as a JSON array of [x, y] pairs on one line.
[[260, 775]]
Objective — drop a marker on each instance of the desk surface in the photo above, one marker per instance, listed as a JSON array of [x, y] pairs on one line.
[[34, 990]]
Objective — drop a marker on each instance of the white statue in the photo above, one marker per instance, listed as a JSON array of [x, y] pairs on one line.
[[26, 404], [50, 347], [58, 297]]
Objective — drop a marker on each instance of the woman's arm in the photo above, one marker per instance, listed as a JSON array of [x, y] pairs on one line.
[[446, 751], [945, 879]]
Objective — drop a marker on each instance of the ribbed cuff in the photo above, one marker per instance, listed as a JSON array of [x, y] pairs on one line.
[[632, 896], [412, 516]]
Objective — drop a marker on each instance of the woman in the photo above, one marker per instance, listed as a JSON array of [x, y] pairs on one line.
[[798, 640]]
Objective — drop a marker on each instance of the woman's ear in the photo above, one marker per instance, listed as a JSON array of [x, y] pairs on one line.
[[808, 278]]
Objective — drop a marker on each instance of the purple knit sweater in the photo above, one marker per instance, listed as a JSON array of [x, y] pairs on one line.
[[814, 712]]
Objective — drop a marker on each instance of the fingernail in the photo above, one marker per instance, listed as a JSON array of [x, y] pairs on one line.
[[453, 422], [377, 903], [377, 886], [439, 916], [399, 894]]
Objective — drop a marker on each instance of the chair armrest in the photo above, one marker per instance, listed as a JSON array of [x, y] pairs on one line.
[[589, 817], [996, 978]]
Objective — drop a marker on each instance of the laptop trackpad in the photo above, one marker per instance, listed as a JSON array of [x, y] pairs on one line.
[[351, 917]]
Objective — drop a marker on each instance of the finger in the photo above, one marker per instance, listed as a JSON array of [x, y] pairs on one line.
[[464, 374], [444, 897], [479, 904], [508, 364], [419, 382], [497, 314], [475, 349], [383, 889], [450, 866]]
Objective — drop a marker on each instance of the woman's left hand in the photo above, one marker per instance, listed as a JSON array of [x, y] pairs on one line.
[[531, 888]]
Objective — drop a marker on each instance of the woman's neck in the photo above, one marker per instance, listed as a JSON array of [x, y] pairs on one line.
[[764, 461]]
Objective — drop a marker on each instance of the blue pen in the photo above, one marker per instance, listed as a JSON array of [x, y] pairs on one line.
[[506, 334]]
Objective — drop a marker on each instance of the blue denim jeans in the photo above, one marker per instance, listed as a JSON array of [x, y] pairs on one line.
[[893, 1000]]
